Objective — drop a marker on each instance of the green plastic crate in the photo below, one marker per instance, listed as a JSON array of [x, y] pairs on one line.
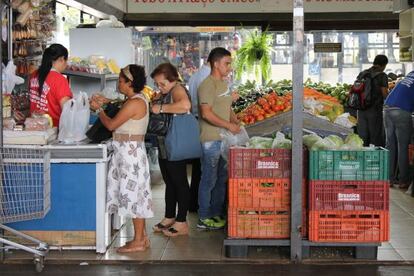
[[349, 165]]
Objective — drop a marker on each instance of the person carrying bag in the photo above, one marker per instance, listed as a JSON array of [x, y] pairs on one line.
[[181, 142]]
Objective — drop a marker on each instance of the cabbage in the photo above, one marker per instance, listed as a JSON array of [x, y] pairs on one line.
[[324, 144], [336, 140], [353, 141], [257, 142], [311, 139]]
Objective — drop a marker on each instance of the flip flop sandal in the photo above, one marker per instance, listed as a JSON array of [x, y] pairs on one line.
[[172, 232], [158, 228]]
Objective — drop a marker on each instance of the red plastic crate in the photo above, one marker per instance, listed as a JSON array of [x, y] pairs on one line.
[[260, 193], [349, 226], [248, 223], [262, 163], [339, 195]]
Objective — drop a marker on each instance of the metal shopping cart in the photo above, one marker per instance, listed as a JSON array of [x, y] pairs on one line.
[[24, 195]]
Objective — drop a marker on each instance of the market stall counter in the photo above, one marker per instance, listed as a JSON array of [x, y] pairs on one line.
[[77, 217]]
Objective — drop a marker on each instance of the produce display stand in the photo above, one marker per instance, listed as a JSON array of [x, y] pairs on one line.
[[102, 77], [237, 246], [278, 122]]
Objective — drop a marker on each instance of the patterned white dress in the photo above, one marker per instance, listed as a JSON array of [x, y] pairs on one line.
[[128, 187]]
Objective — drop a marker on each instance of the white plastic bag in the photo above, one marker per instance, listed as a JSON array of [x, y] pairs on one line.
[[230, 140], [112, 22], [10, 78], [153, 159], [343, 120], [312, 105], [74, 121], [280, 142]]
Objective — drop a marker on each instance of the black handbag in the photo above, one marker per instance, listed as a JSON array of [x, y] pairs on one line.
[[98, 132], [159, 123]]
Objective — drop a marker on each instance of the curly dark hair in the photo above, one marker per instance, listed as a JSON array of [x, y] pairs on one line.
[[169, 71], [139, 78]]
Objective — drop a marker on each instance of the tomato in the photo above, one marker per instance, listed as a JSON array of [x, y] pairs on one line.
[[260, 118]]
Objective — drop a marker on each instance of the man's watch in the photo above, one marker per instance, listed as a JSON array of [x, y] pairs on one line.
[[161, 111], [99, 110]]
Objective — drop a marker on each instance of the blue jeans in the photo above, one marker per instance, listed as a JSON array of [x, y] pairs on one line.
[[398, 128], [213, 184]]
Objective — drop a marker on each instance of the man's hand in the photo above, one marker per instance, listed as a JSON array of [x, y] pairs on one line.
[[234, 128], [235, 96]]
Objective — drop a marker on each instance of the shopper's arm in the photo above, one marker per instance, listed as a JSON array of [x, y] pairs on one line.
[[180, 104], [233, 118], [135, 108]]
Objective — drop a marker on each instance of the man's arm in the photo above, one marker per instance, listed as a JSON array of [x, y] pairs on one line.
[[208, 115], [233, 118]]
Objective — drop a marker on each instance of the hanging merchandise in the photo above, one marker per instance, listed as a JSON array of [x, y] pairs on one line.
[[32, 30], [4, 24]]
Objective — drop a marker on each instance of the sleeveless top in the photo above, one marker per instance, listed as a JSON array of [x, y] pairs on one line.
[[135, 127]]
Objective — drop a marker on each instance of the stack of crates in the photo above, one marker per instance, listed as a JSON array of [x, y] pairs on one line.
[[259, 193], [349, 196]]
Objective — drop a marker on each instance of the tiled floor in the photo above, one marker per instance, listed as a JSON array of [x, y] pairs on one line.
[[208, 245], [401, 245]]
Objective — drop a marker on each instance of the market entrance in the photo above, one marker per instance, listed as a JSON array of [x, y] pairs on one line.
[[259, 225]]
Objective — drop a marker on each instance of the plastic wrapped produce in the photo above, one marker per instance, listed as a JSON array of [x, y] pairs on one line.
[[9, 123], [40, 123]]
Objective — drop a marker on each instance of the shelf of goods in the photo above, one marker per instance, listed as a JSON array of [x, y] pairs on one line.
[[265, 109], [311, 122], [406, 25], [102, 77]]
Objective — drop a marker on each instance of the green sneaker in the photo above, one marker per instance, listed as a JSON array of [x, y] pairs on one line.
[[220, 222], [208, 224]]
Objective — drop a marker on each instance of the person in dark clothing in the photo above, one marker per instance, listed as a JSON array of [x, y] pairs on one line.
[[398, 124], [370, 122], [174, 173]]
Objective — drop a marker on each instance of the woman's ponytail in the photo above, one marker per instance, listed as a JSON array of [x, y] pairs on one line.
[[51, 54]]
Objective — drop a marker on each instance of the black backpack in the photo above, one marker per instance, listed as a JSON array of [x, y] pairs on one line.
[[363, 94]]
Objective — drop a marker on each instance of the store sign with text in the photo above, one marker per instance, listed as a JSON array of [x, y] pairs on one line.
[[256, 6]]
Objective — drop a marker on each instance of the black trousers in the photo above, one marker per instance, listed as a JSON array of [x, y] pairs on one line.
[[370, 126], [195, 183], [177, 190]]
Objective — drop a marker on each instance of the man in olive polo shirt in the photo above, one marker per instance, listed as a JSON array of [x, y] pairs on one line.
[[215, 111]]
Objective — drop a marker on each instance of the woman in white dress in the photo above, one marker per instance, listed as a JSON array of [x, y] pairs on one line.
[[128, 187]]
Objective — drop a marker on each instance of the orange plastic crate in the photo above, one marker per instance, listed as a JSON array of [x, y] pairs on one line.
[[260, 193], [261, 224], [411, 154], [274, 194], [349, 226]]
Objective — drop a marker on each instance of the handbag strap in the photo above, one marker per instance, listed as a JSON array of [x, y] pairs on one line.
[[188, 95]]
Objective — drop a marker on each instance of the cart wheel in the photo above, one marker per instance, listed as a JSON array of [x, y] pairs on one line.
[[39, 263]]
